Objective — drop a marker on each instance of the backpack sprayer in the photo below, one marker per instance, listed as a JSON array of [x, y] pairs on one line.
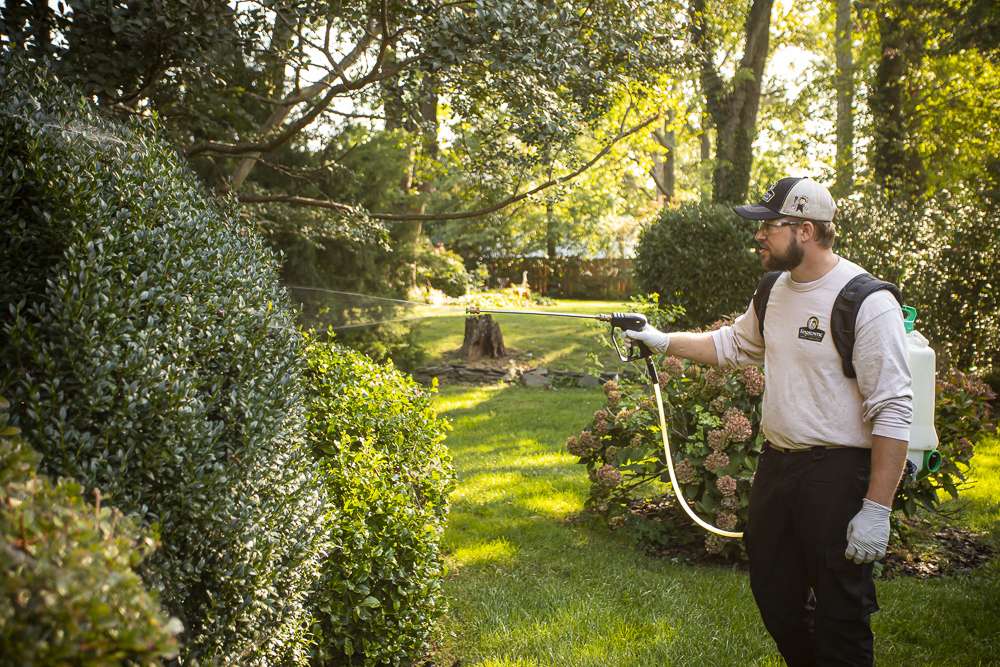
[[635, 351]]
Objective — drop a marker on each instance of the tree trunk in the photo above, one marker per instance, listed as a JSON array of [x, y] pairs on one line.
[[895, 159], [664, 166], [733, 105], [844, 182], [482, 339]]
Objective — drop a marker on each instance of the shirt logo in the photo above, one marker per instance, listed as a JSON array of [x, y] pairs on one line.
[[811, 331]]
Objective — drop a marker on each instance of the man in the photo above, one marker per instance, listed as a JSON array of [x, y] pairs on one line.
[[835, 445]]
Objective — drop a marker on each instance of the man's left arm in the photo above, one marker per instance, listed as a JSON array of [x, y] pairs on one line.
[[880, 358]]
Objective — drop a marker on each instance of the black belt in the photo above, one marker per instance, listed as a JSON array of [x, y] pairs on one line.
[[812, 448]]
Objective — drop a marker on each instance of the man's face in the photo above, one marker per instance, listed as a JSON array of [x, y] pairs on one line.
[[778, 244]]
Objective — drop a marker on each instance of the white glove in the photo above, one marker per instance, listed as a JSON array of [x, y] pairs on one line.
[[654, 339], [868, 533]]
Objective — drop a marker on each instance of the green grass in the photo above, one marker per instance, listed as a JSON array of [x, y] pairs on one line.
[[527, 587], [557, 342]]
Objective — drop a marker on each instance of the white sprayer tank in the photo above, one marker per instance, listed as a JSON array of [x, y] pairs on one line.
[[922, 452]]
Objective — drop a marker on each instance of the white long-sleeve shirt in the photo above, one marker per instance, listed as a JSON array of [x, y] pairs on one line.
[[807, 398]]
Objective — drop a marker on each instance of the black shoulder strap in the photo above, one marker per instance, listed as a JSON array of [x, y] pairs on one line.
[[845, 314], [761, 296]]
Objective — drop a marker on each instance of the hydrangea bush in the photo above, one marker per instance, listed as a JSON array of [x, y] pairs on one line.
[[713, 417]]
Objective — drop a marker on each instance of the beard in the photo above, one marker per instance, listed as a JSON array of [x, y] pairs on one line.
[[786, 262]]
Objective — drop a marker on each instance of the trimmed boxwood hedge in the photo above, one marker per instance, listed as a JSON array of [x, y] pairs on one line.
[[148, 350], [701, 257], [382, 459], [69, 594]]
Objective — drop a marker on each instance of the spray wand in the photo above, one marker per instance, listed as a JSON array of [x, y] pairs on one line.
[[636, 350]]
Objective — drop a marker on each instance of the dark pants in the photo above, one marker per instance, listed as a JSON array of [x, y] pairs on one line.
[[814, 602]]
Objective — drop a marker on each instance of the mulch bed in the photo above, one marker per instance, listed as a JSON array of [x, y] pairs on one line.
[[930, 548]]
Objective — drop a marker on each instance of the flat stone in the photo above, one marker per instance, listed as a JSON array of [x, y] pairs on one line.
[[589, 381]]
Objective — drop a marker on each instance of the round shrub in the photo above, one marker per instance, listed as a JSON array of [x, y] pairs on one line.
[[69, 594], [944, 253], [382, 459], [714, 420], [699, 256], [149, 351]]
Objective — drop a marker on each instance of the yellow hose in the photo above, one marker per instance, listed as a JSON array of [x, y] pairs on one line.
[[673, 479]]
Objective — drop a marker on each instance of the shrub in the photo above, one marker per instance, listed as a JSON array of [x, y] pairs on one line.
[[150, 353], [714, 421], [383, 462], [944, 253], [442, 269], [701, 257], [69, 594]]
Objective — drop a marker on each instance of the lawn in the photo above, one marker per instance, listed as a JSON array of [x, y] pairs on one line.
[[557, 342], [528, 585]]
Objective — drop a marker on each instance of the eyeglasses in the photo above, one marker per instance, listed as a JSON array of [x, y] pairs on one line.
[[767, 227]]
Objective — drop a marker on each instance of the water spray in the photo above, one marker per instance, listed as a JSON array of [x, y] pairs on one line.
[[635, 351]]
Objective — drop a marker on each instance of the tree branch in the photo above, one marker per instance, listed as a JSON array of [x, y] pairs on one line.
[[460, 215]]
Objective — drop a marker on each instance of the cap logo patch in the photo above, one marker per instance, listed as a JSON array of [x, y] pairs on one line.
[[800, 203], [768, 196]]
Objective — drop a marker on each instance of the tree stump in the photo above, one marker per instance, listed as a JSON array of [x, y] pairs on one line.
[[482, 339]]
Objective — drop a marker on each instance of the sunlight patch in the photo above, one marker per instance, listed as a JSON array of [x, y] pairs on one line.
[[494, 551], [555, 504]]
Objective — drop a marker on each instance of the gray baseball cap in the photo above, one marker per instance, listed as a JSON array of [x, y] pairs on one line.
[[792, 197]]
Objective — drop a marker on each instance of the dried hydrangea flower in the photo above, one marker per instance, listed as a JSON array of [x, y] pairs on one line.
[[717, 439], [714, 544], [726, 485], [753, 380], [737, 425], [609, 476], [685, 472], [725, 520], [716, 461], [673, 367]]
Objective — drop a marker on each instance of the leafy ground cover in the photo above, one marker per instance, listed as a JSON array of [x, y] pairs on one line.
[[555, 342], [530, 583]]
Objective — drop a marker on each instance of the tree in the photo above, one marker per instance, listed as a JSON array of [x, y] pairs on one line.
[[845, 99], [732, 105]]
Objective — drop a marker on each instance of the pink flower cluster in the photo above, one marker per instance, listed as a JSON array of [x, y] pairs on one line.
[[714, 544], [673, 367], [730, 503], [716, 461], [601, 426], [614, 397], [685, 472], [753, 380], [717, 439], [725, 520], [726, 485], [718, 404], [609, 476], [736, 425], [583, 445], [610, 386], [715, 378]]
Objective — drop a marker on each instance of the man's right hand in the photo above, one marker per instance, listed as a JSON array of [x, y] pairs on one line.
[[654, 339]]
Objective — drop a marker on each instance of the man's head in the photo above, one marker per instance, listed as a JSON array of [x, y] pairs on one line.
[[795, 218]]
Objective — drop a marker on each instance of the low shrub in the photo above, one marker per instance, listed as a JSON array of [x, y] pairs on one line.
[[69, 594], [149, 351], [700, 257], [944, 253], [714, 421], [382, 460]]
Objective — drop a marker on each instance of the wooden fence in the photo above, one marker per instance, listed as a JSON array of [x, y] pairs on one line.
[[568, 277]]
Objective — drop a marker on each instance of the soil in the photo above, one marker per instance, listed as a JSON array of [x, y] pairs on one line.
[[922, 547]]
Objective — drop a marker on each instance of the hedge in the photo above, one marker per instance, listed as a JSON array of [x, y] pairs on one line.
[[148, 350], [380, 450], [700, 257], [69, 594], [944, 253]]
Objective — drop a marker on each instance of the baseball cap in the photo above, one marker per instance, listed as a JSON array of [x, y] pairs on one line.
[[794, 197]]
